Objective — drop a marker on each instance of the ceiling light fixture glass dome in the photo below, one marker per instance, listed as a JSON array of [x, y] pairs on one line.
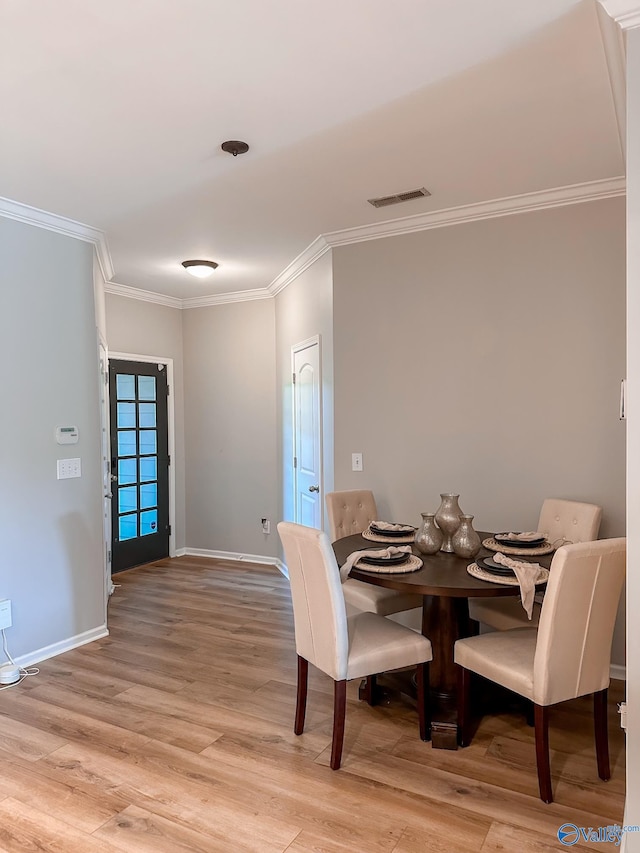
[[200, 269]]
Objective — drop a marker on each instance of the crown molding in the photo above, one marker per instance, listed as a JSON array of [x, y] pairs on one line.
[[524, 203], [626, 13], [142, 295], [304, 260], [226, 298], [613, 44], [61, 225]]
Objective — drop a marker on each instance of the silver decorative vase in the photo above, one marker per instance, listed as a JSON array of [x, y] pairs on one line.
[[448, 519], [465, 541], [429, 537]]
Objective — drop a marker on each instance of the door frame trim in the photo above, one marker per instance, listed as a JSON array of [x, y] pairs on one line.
[[168, 362], [296, 348]]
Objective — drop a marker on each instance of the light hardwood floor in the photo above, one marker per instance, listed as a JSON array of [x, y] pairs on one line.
[[175, 734]]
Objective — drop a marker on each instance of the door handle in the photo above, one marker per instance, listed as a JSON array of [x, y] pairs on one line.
[[108, 497], [314, 488]]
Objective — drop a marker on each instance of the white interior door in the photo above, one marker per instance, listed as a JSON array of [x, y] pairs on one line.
[[307, 449]]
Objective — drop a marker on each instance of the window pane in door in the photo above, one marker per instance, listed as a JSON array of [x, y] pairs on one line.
[[148, 522], [147, 441], [125, 386], [127, 499], [126, 471], [147, 414], [126, 442], [149, 468], [146, 387], [126, 415], [148, 495], [127, 527]]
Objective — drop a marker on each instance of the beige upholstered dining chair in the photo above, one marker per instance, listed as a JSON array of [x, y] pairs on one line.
[[566, 657], [560, 522], [351, 512], [344, 647]]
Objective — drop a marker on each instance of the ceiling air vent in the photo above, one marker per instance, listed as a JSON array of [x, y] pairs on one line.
[[398, 198]]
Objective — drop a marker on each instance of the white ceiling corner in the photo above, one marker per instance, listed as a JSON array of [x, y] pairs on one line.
[[626, 13]]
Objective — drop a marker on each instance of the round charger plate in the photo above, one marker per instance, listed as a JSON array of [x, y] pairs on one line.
[[489, 565], [388, 540], [392, 534], [411, 565], [503, 539], [475, 571], [492, 545], [385, 561]]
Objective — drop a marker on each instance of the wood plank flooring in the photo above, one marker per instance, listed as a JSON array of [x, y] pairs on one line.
[[175, 733]]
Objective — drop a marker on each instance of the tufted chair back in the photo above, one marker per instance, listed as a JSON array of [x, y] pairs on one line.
[[350, 512], [319, 611], [571, 521], [573, 647]]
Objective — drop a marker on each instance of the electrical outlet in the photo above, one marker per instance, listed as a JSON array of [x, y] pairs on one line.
[[266, 525], [5, 613]]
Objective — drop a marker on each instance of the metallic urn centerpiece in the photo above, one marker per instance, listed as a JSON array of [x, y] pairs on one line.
[[448, 519]]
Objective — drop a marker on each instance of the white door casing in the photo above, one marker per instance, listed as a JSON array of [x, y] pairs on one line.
[[307, 434], [103, 356]]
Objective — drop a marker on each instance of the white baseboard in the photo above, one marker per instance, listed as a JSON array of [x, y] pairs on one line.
[[63, 646], [618, 671], [236, 557]]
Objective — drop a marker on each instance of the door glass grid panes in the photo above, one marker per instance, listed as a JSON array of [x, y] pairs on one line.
[[137, 463], [148, 522], [126, 415]]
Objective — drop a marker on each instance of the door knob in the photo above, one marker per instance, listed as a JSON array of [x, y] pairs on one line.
[[314, 488]]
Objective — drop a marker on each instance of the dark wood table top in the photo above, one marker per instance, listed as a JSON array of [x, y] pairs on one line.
[[441, 574]]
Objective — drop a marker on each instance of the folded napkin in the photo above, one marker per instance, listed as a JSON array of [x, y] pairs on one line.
[[526, 574], [529, 536], [352, 559], [386, 525]]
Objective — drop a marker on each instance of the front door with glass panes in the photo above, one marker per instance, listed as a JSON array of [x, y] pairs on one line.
[[139, 463]]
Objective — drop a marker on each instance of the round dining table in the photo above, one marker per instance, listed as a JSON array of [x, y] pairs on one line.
[[446, 586]]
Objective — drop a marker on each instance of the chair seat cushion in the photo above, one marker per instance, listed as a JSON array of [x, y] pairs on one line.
[[505, 657], [377, 599], [377, 645], [503, 614]]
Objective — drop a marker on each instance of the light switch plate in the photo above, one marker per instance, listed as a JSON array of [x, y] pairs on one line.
[[356, 461], [68, 468]]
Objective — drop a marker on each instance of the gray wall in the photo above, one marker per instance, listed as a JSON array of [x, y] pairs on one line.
[[51, 530], [486, 359], [144, 328], [230, 427], [304, 309]]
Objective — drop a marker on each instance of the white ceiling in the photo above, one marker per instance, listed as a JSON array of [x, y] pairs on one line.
[[113, 112]]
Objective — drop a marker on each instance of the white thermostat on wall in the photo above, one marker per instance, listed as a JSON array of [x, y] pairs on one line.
[[67, 434]]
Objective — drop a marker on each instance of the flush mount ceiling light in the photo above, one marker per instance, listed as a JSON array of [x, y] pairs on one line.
[[235, 147], [200, 269]]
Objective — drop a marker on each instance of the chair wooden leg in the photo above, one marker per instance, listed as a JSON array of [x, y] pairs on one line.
[[541, 717], [339, 711], [424, 711], [370, 689], [301, 697], [464, 706], [602, 735]]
